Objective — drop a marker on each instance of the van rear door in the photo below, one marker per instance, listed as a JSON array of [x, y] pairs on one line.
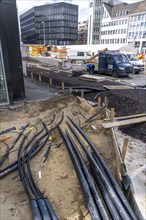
[[102, 63]]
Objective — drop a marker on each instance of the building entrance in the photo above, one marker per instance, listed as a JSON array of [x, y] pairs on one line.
[[3, 87]]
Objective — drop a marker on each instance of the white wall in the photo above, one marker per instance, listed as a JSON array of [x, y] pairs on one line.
[[94, 47]]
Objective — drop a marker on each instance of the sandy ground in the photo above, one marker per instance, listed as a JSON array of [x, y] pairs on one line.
[[58, 178]]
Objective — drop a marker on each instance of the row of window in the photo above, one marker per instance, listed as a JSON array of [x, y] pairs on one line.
[[26, 16], [57, 17], [140, 26], [136, 18], [119, 31], [55, 10], [135, 34], [58, 24], [58, 36], [113, 41], [56, 42], [122, 13], [114, 23], [28, 31], [57, 30], [28, 21]]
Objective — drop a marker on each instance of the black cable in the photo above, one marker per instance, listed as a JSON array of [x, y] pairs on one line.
[[85, 187], [115, 199], [89, 179], [108, 172]]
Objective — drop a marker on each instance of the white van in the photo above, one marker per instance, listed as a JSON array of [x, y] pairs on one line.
[[137, 64], [74, 55]]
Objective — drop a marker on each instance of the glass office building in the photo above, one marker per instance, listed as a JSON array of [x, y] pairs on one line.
[[54, 24]]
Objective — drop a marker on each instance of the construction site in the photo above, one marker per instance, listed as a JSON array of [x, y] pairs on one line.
[[74, 149]]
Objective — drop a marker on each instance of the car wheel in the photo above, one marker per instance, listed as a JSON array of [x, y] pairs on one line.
[[137, 72], [115, 74]]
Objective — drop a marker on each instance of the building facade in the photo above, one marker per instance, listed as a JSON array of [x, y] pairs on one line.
[[82, 32], [124, 23], [11, 77], [54, 24], [121, 23], [95, 19]]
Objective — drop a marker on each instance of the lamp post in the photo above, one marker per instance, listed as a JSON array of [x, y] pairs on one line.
[[44, 32]]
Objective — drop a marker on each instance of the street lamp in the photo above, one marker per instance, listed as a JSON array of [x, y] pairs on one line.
[[44, 32]]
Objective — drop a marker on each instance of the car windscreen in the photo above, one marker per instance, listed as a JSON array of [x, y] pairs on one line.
[[88, 54], [132, 57], [120, 58]]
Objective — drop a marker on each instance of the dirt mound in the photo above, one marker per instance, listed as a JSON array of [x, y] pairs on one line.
[[59, 181]]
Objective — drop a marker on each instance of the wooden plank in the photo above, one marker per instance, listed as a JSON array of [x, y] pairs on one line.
[[112, 114], [62, 86], [117, 87], [124, 149], [99, 102], [92, 78], [118, 156], [124, 122], [120, 168], [126, 117]]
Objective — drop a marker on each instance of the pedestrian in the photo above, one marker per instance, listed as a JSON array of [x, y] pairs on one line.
[[90, 68]]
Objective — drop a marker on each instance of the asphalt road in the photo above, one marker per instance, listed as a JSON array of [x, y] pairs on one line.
[[35, 90]]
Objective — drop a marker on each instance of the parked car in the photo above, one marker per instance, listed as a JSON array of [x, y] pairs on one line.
[[137, 64]]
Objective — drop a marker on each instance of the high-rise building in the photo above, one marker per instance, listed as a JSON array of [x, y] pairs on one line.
[[82, 32], [54, 24], [11, 77], [94, 25]]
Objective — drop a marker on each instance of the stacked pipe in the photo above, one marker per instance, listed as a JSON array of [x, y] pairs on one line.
[[103, 196]]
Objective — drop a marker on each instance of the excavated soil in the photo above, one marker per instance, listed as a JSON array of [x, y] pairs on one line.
[[125, 101], [58, 178]]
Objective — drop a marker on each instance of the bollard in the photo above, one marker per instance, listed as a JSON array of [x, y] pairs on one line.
[[82, 94], [50, 81], [63, 87], [31, 75], [40, 77], [105, 100], [70, 90]]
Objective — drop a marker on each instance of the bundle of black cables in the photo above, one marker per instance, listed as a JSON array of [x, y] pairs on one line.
[[40, 205], [104, 198]]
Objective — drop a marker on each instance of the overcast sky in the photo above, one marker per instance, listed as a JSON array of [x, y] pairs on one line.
[[24, 5]]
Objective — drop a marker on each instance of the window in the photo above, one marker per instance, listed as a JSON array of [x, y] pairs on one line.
[[3, 87], [109, 59], [120, 58], [80, 54]]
